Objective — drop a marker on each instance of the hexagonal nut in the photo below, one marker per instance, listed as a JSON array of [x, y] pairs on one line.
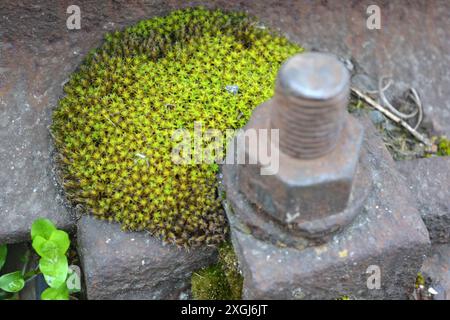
[[300, 190]]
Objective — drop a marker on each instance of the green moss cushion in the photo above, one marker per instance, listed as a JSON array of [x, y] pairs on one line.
[[113, 129], [221, 281]]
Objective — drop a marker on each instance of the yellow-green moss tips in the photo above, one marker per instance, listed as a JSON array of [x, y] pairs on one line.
[[420, 280], [113, 128], [443, 146]]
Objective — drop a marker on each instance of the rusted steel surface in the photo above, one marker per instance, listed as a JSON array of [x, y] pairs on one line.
[[310, 192], [309, 105], [387, 233], [303, 191]]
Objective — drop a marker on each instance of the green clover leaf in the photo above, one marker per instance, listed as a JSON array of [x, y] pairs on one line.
[[55, 270], [45, 248], [62, 241], [12, 282], [56, 245], [60, 293], [43, 228]]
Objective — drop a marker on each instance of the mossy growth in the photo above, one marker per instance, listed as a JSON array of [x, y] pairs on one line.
[[114, 126], [210, 283], [443, 146], [420, 280], [221, 281]]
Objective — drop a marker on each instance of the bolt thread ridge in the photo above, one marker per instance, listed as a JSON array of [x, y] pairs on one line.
[[309, 128]]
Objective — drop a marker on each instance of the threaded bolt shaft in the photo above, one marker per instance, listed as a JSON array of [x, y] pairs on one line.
[[310, 103]]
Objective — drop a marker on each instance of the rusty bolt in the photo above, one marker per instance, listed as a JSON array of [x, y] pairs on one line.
[[319, 146], [311, 99]]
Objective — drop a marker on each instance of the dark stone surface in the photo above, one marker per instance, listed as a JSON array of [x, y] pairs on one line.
[[388, 233], [38, 53], [29, 87], [429, 181], [412, 44], [436, 271], [119, 265]]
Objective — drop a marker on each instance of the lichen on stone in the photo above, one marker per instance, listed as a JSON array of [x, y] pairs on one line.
[[113, 128]]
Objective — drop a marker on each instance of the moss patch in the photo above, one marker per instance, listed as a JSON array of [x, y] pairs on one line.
[[210, 284], [443, 146], [221, 281], [420, 280], [114, 127]]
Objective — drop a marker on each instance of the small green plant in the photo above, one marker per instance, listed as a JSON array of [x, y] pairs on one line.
[[51, 245], [10, 283]]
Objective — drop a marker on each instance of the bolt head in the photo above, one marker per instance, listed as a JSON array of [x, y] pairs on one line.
[[314, 76], [311, 100], [302, 190]]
